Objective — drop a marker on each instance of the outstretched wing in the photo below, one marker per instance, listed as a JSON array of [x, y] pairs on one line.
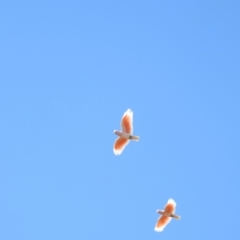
[[119, 145], [162, 223], [170, 206], [127, 122]]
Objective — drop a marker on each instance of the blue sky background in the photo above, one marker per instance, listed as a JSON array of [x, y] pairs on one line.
[[69, 70]]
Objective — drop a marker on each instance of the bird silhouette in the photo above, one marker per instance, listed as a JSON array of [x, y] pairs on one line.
[[125, 135], [167, 215]]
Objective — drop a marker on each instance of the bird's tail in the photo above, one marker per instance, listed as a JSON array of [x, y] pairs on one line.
[[135, 138], [175, 216]]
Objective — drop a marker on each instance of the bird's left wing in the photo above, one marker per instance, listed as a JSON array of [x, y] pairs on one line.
[[162, 223], [119, 145]]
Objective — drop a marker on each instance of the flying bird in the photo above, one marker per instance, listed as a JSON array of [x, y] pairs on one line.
[[167, 215], [126, 134]]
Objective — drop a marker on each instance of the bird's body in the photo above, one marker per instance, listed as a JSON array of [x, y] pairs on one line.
[[126, 134], [166, 215], [123, 134]]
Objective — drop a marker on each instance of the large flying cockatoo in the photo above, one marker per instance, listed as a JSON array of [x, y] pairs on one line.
[[126, 134], [167, 215]]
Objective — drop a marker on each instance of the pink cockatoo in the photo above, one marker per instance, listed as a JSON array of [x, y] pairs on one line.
[[126, 134], [167, 215]]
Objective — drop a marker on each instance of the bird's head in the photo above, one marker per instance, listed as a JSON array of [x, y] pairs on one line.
[[160, 211]]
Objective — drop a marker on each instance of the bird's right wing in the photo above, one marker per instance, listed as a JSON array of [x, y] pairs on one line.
[[119, 145], [162, 223], [170, 206]]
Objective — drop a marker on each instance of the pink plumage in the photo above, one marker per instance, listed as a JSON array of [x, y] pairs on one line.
[[167, 215], [126, 134]]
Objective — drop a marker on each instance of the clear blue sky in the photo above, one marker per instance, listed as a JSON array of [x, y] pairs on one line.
[[69, 70]]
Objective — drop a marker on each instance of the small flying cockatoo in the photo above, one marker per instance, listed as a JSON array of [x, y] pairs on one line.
[[126, 134], [167, 215]]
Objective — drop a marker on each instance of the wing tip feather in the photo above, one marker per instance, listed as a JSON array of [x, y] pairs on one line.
[[171, 201], [158, 229], [128, 112]]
